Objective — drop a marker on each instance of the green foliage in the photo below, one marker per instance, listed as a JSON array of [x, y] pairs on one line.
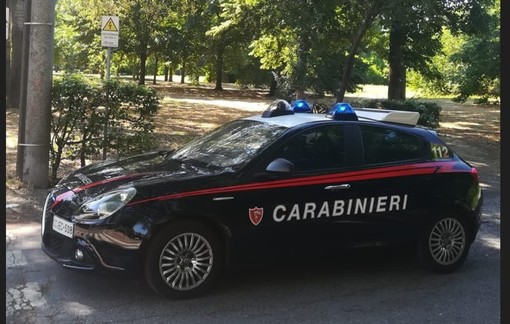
[[430, 112], [131, 112], [480, 66], [73, 119], [469, 63], [448, 47], [304, 42], [77, 36], [80, 109]]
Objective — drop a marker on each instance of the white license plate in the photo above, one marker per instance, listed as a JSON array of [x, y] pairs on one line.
[[63, 227]]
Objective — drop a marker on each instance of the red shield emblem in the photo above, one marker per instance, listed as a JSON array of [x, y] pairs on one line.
[[256, 215]]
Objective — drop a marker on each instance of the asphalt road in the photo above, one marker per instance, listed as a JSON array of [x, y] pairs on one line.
[[364, 287]]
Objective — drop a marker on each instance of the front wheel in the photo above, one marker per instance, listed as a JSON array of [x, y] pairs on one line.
[[183, 260], [444, 244]]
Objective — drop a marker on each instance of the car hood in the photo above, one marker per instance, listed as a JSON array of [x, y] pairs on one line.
[[140, 170]]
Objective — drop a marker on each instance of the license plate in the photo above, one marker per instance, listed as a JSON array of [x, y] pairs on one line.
[[63, 227]]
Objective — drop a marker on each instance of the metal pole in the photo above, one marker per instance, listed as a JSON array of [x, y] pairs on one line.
[[108, 58], [107, 110], [38, 102]]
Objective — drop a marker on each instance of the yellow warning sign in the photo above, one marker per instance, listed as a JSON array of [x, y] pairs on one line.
[[110, 31], [110, 26]]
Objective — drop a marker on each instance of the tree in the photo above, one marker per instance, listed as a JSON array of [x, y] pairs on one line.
[[478, 58], [370, 14], [16, 11], [415, 29], [296, 41], [143, 20], [78, 34], [191, 19], [233, 26]]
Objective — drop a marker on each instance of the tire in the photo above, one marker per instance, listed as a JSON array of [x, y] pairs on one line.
[[183, 260], [444, 244]]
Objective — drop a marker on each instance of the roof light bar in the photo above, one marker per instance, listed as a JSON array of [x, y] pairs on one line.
[[391, 116], [278, 107], [342, 111], [301, 106]]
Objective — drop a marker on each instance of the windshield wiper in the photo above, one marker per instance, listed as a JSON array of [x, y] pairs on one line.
[[165, 153]]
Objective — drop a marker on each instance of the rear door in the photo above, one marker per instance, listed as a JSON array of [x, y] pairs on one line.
[[394, 182]]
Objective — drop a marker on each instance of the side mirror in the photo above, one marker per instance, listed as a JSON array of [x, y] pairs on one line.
[[280, 165]]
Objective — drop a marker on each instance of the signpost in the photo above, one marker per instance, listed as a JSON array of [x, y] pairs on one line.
[[109, 39]]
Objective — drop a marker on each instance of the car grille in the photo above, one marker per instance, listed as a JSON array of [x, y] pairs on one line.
[[53, 243]]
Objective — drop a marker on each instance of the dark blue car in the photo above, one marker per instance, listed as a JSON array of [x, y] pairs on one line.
[[279, 183]]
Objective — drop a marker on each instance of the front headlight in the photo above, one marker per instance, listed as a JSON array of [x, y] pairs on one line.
[[103, 206]]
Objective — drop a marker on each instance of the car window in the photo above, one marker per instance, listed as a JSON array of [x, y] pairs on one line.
[[383, 145], [231, 145], [316, 149]]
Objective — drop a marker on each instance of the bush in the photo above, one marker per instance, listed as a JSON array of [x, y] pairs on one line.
[[80, 109]]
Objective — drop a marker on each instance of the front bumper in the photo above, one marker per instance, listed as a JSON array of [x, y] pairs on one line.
[[92, 248]]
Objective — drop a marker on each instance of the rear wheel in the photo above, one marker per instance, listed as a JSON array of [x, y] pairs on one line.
[[183, 260], [444, 244]]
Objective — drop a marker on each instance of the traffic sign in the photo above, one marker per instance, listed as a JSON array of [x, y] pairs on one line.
[[109, 31]]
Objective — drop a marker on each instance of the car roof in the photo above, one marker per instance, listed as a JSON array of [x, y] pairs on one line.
[[288, 120], [364, 114]]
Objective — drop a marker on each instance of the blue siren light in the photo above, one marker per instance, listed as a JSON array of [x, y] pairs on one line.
[[278, 107], [301, 106], [342, 111]]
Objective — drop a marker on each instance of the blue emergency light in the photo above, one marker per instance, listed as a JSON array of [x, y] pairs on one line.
[[342, 111], [301, 106]]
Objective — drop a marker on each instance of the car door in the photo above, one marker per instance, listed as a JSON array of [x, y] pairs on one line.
[[293, 211], [394, 177]]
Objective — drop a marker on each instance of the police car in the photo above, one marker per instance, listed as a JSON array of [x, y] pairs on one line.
[[288, 181]]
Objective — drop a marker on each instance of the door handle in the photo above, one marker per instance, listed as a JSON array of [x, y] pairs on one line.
[[222, 198], [338, 187]]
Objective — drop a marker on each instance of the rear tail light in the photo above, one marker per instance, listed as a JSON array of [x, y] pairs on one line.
[[474, 174]]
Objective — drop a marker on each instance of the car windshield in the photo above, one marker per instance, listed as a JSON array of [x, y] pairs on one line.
[[231, 145]]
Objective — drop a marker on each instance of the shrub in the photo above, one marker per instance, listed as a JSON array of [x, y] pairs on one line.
[[80, 110]]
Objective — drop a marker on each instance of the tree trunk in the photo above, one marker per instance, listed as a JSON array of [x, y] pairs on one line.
[[299, 74], [171, 73], [134, 69], [143, 60], [17, 13], [166, 73], [183, 71], [155, 68], [397, 71], [370, 16], [273, 85], [219, 64]]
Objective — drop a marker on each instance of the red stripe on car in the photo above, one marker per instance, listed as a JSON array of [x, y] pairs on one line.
[[379, 173]]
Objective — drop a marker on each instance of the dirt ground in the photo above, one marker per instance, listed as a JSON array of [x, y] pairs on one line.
[[473, 131]]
